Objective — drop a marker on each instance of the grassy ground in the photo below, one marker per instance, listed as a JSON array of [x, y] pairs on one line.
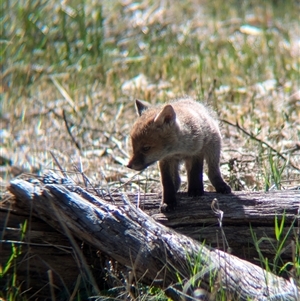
[[71, 70]]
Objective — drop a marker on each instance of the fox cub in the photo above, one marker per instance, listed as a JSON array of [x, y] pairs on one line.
[[183, 130]]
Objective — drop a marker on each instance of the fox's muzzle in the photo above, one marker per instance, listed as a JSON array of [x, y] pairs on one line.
[[132, 165], [137, 167]]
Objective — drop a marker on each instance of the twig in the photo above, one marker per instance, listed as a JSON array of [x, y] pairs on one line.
[[88, 183], [211, 90], [69, 131], [58, 164], [261, 141], [76, 288], [51, 284], [220, 214], [80, 169], [57, 115], [63, 92]]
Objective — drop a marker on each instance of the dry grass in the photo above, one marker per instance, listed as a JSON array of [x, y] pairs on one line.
[[71, 70]]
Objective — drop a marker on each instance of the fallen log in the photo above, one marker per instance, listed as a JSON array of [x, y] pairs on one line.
[[153, 251], [244, 215]]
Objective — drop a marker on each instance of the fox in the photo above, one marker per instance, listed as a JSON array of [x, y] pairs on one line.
[[181, 130]]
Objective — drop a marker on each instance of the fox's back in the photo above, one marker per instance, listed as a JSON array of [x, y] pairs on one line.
[[189, 111], [190, 114], [198, 124]]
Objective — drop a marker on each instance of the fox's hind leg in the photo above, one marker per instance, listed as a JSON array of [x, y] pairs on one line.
[[212, 157]]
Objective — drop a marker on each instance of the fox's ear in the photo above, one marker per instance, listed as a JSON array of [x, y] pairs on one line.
[[141, 106], [166, 115]]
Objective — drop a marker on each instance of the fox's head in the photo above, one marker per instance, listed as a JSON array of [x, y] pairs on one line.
[[152, 135]]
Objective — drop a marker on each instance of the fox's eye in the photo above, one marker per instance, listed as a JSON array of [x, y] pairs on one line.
[[145, 148]]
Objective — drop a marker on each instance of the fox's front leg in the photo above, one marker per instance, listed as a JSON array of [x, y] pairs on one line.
[[194, 167], [170, 181]]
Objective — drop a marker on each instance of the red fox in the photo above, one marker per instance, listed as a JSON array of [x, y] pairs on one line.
[[182, 130]]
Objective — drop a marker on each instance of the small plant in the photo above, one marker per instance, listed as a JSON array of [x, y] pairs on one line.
[[273, 173], [11, 291], [277, 265], [192, 287]]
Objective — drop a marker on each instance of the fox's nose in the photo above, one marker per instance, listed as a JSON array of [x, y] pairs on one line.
[[129, 165]]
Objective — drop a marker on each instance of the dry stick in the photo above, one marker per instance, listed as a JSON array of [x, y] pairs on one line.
[[63, 92], [211, 90], [261, 141], [51, 284], [87, 182], [128, 181], [80, 170], [58, 164], [219, 213], [75, 290], [67, 123], [69, 131]]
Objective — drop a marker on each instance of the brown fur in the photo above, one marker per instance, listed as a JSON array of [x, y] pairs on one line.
[[183, 130]]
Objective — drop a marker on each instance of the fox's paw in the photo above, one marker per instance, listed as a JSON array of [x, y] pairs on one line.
[[167, 207], [196, 192], [169, 201], [223, 188]]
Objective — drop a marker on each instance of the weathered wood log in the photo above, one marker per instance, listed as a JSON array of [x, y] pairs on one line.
[[240, 210], [195, 218], [153, 251]]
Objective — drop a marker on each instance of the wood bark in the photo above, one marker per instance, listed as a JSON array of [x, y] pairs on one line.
[[155, 252]]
